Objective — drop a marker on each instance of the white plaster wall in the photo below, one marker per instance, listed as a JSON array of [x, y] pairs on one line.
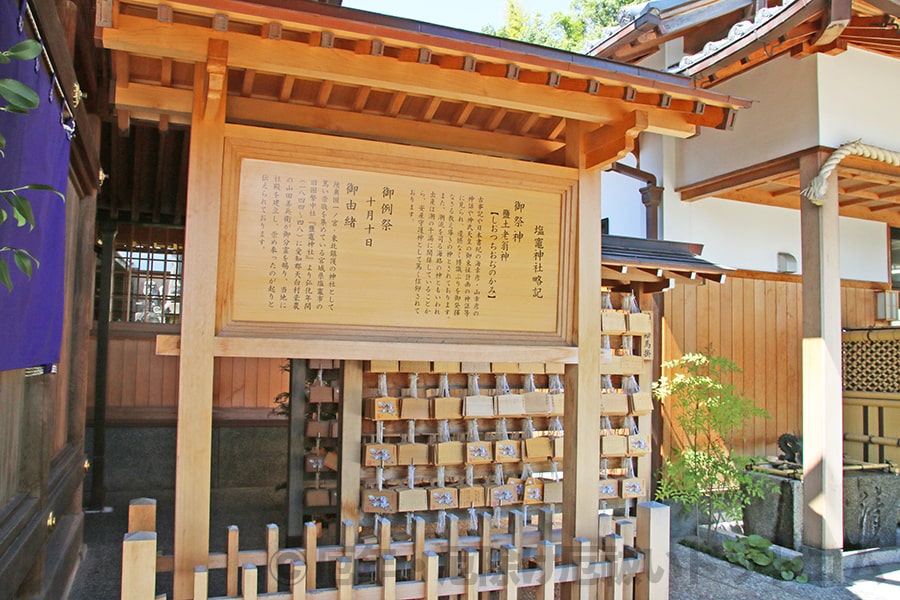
[[859, 97], [621, 202], [782, 120], [749, 236]]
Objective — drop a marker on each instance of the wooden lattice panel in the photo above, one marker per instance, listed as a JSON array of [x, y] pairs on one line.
[[871, 365]]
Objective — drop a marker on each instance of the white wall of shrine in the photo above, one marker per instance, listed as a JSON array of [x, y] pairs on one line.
[[858, 94], [782, 120], [798, 104]]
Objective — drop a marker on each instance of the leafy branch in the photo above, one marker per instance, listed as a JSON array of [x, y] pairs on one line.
[[20, 99]]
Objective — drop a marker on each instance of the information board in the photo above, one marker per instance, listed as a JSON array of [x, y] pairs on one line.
[[335, 246]]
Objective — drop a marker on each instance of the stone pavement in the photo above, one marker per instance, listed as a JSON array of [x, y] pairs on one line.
[[694, 575], [697, 576]]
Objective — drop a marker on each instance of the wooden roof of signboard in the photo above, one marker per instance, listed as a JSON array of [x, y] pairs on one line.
[[369, 75]]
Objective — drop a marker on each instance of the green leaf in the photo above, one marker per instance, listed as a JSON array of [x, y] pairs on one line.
[[758, 541], [787, 575], [3, 216], [763, 559], [22, 210], [12, 108], [802, 578], [43, 187], [4, 275], [2, 144], [24, 50], [18, 94], [23, 261]]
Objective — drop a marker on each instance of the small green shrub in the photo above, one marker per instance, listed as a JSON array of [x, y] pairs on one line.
[[755, 553], [706, 473]]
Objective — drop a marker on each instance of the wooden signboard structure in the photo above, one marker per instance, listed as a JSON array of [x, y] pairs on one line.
[[367, 104], [429, 245]]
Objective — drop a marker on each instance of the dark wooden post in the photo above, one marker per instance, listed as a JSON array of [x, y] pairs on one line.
[[98, 460]]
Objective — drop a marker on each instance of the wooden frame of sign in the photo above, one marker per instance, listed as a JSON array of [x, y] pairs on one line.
[[335, 238]]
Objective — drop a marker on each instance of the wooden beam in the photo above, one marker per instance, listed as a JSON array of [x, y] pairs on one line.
[[287, 89], [195, 381], [251, 111], [216, 72], [267, 347], [821, 384], [613, 142]]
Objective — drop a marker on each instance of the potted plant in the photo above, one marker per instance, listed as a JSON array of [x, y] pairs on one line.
[[705, 474]]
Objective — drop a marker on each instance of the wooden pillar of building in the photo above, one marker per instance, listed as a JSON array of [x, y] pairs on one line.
[[195, 383], [581, 469], [821, 388]]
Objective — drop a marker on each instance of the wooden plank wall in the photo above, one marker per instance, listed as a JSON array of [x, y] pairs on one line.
[[12, 397], [143, 386], [755, 320]]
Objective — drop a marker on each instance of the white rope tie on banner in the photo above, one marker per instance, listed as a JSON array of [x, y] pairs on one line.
[[817, 188]]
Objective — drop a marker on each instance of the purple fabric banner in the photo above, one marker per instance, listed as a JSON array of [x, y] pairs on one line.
[[37, 151]]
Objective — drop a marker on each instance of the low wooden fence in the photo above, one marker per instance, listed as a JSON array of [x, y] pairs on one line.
[[872, 395], [632, 561]]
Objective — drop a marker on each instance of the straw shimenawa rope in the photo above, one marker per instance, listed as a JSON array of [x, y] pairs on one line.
[[815, 191]]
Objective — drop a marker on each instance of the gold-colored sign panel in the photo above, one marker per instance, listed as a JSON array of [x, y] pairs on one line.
[[334, 246]]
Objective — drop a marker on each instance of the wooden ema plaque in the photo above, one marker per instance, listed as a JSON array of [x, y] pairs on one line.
[[320, 245]]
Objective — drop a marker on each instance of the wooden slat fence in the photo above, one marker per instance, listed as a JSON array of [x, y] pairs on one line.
[[755, 319], [631, 562]]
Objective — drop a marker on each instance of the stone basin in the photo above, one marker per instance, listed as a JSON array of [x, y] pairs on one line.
[[871, 511]]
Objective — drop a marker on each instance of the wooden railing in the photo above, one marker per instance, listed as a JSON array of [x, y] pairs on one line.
[[632, 562]]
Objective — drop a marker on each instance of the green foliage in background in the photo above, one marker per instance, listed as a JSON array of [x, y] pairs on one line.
[[568, 30]]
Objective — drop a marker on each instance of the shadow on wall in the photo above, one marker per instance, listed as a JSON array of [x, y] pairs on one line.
[[142, 458]]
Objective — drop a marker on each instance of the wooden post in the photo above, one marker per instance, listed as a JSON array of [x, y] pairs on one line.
[[653, 542], [271, 558], [298, 585], [351, 439], [605, 525], [431, 575], [201, 583], [231, 560], [384, 535], [546, 558], [485, 547], [581, 558], [139, 565], [823, 524], [142, 515], [348, 540], [310, 543], [296, 453], [452, 545], [388, 577], [107, 258], [581, 421], [195, 381], [614, 553], [470, 572], [545, 523], [418, 548], [344, 572], [626, 530], [516, 526], [509, 566], [251, 579]]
